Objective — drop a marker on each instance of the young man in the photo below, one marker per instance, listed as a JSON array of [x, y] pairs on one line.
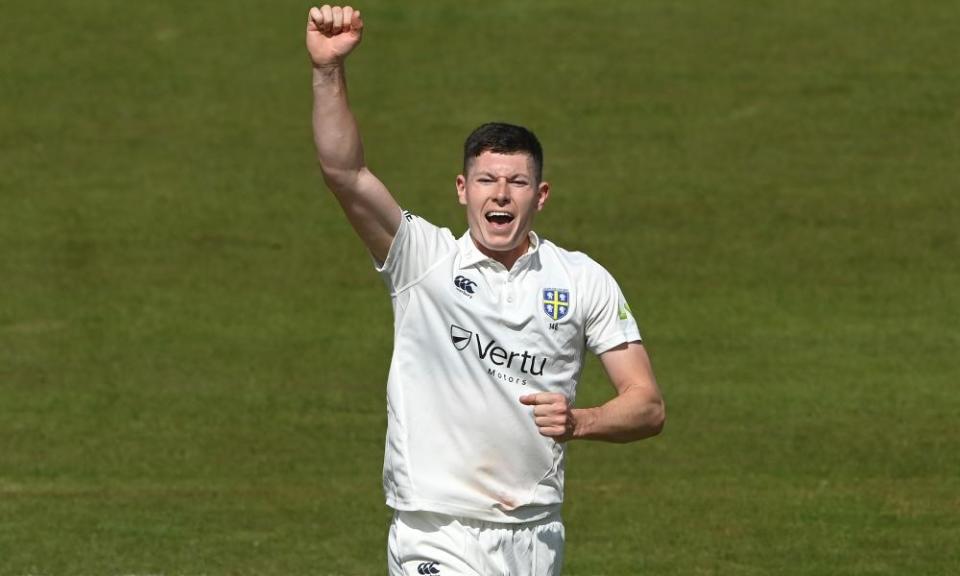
[[490, 331]]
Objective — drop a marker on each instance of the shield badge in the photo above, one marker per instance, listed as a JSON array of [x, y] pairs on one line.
[[460, 337], [556, 302]]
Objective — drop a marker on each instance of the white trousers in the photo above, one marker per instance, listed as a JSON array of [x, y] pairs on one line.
[[426, 543]]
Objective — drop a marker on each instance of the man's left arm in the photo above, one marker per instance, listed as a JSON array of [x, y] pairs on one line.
[[635, 413]]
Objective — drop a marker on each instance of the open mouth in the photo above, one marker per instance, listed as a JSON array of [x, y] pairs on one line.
[[499, 218]]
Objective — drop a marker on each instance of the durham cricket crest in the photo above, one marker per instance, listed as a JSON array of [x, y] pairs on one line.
[[556, 302]]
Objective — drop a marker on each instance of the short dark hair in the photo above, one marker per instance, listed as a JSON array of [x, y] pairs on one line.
[[503, 138]]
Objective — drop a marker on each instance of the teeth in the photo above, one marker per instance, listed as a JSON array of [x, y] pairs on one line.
[[499, 214]]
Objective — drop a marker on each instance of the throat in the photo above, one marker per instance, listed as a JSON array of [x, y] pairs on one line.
[[506, 257]]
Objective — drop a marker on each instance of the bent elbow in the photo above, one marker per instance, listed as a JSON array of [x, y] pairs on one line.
[[649, 423], [659, 420], [656, 418]]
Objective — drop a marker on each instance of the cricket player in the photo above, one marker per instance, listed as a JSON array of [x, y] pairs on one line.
[[490, 331]]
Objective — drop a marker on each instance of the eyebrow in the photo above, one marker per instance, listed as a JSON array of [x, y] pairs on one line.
[[511, 177]]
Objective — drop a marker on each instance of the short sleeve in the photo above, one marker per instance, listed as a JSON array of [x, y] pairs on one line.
[[609, 320], [416, 247]]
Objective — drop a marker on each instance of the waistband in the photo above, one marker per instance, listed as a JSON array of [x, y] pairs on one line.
[[426, 518]]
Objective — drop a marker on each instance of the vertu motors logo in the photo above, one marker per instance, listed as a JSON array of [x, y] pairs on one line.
[[460, 336], [496, 354]]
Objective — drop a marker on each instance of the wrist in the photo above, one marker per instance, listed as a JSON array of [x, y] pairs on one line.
[[584, 420], [328, 65], [327, 73]]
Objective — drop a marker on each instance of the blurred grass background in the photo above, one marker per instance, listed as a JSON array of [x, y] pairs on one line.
[[194, 348]]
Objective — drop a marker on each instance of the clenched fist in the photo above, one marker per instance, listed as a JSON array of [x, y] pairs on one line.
[[332, 33], [552, 414]]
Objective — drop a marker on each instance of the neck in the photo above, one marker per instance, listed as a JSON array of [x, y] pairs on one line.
[[508, 257]]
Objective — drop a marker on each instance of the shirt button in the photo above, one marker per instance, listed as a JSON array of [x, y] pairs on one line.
[[509, 298]]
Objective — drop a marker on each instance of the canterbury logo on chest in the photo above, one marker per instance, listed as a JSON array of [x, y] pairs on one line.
[[465, 285]]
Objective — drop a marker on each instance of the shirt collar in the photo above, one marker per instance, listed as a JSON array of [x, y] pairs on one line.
[[470, 255]]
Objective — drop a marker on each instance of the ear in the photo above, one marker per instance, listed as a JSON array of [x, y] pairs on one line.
[[543, 192], [462, 189]]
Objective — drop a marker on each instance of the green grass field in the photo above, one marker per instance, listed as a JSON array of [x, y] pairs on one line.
[[194, 347]]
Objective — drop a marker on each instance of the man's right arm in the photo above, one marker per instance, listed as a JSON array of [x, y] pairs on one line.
[[332, 33]]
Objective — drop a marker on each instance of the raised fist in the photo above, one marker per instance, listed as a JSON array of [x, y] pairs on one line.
[[332, 33]]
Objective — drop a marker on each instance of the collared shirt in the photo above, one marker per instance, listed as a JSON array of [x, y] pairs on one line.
[[470, 338]]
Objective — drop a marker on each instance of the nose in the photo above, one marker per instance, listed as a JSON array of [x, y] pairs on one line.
[[503, 191]]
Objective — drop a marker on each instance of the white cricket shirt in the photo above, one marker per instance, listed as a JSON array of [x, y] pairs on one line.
[[470, 338]]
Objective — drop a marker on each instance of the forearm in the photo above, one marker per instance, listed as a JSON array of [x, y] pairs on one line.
[[335, 132], [633, 415]]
